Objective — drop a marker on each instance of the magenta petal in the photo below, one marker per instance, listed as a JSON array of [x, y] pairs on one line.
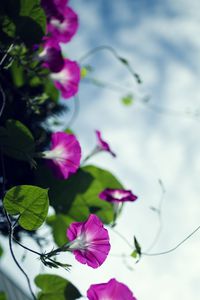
[[89, 241], [67, 80], [63, 29], [117, 195], [103, 145], [53, 8], [52, 57], [112, 290], [64, 155]]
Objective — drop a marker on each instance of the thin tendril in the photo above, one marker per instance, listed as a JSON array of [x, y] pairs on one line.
[[159, 212], [6, 54], [75, 112], [174, 248], [3, 101], [27, 248], [115, 54]]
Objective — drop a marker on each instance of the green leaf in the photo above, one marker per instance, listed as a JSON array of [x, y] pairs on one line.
[[78, 196], [51, 91], [30, 203], [1, 251], [59, 224], [56, 288], [17, 141], [24, 19], [134, 254], [3, 296], [17, 74], [137, 246], [127, 100]]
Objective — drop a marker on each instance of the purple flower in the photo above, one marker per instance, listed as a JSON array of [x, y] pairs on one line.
[[53, 8], [64, 155], [89, 241], [63, 26], [51, 57], [112, 290], [103, 145], [117, 195], [67, 80]]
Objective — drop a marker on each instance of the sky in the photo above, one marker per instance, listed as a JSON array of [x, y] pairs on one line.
[[154, 140]]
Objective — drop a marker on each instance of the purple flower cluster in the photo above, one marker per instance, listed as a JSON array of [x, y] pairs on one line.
[[62, 24]]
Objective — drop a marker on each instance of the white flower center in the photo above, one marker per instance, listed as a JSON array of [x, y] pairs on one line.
[[63, 76], [61, 26], [58, 153], [79, 243]]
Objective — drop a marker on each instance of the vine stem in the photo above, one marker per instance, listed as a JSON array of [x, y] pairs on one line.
[[157, 253], [115, 54], [175, 247], [3, 101], [6, 54], [10, 230]]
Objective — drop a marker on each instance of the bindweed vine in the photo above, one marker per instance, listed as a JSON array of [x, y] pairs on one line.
[[42, 169]]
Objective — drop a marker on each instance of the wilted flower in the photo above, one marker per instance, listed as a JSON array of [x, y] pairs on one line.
[[67, 80], [64, 155], [89, 241], [112, 290], [51, 56], [117, 195], [103, 145]]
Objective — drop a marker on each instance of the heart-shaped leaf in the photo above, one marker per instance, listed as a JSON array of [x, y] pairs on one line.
[[30, 203]]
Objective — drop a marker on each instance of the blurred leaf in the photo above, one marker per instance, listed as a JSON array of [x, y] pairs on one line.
[[51, 91], [137, 246], [56, 288], [78, 196], [24, 19], [17, 74], [30, 203], [3, 296], [127, 100], [16, 140], [1, 251], [85, 70], [68, 130], [59, 224], [134, 254]]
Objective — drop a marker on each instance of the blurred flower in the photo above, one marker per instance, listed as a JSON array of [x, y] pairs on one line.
[[64, 155], [112, 290], [51, 57], [103, 145], [117, 195], [67, 80], [63, 26], [53, 8], [89, 241]]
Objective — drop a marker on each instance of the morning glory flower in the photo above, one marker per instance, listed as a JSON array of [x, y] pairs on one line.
[[112, 290], [117, 195], [89, 241], [64, 155], [61, 28], [53, 8], [51, 57], [103, 145], [67, 80]]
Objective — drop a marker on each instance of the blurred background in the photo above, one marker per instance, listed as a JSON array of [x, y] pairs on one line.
[[155, 137]]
